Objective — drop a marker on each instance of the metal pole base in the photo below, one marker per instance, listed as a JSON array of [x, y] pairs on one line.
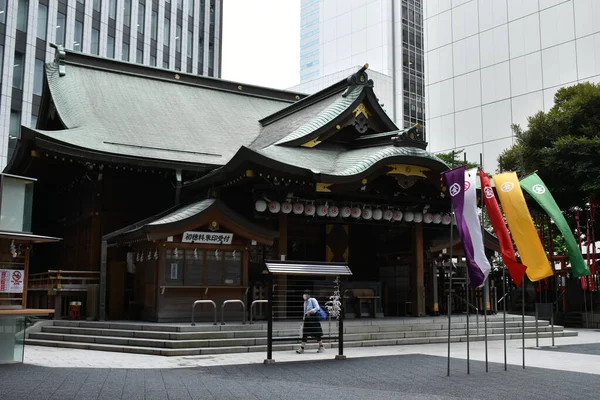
[[269, 361], [340, 357]]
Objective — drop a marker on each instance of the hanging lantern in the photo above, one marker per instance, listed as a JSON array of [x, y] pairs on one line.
[[298, 208], [309, 210], [260, 205], [377, 214], [322, 210], [286, 207], [333, 211], [437, 218], [409, 216], [446, 219], [397, 216], [367, 214], [388, 215], [346, 212], [418, 218], [274, 207], [428, 218], [356, 212]]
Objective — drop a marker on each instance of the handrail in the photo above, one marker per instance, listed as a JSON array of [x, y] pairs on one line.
[[472, 306], [204, 302], [233, 301], [252, 308], [502, 298]]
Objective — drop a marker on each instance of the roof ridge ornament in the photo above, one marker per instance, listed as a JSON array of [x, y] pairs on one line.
[[410, 137], [359, 78], [59, 58]]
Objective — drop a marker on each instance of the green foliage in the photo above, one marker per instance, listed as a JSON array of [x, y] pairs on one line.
[[457, 160], [562, 145]]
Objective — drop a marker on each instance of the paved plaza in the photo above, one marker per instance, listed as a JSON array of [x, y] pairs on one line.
[[396, 372]]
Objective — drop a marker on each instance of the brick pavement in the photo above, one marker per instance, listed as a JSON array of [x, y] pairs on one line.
[[411, 376]]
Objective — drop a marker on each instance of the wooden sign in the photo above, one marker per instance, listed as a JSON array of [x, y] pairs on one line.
[[11, 281], [207, 237]]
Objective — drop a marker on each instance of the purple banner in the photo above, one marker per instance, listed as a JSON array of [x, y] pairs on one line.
[[455, 179]]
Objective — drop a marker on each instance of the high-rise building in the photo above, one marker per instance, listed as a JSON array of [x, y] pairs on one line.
[[493, 63], [339, 35], [182, 35]]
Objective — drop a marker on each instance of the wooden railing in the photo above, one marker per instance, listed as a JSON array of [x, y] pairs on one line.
[[55, 289], [61, 280]]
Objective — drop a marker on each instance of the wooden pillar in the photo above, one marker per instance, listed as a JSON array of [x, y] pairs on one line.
[[418, 284], [281, 280]]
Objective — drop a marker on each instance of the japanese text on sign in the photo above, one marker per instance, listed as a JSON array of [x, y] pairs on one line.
[[207, 237], [11, 281]]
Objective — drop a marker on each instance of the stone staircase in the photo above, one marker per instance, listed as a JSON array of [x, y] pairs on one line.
[[204, 339]]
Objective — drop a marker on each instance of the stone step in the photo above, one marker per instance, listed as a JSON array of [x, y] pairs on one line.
[[253, 341], [276, 347], [242, 333]]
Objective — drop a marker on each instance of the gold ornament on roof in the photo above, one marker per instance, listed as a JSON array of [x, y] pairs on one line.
[[361, 109]]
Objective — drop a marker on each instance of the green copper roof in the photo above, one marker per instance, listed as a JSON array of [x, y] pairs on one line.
[[324, 117]]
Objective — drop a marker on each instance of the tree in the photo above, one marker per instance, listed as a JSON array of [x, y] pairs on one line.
[[455, 160], [562, 145]]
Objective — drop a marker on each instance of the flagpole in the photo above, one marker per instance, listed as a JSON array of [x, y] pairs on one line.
[[468, 301], [523, 317], [504, 309], [449, 301], [486, 281]]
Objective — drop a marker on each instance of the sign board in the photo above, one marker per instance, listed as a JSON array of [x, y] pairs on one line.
[[11, 281], [207, 237]]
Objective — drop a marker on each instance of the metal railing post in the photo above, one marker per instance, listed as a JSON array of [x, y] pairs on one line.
[[252, 308], [204, 302], [233, 301]]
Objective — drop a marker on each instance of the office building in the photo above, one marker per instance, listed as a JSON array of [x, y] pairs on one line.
[[182, 35], [339, 35], [493, 63]]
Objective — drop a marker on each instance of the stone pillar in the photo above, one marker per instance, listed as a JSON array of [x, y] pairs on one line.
[[418, 285]]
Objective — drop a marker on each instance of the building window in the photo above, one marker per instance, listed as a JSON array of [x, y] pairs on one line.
[[1, 62], [110, 47], [201, 55], [97, 5], [78, 39], [112, 9], [18, 70], [38, 77], [178, 38], [180, 4], [191, 8], [139, 56], [154, 25], [22, 12], [3, 11], [42, 22], [165, 63], [153, 61], [125, 50], [127, 12], [14, 131], [211, 59], [61, 21], [95, 41], [167, 32], [190, 44], [141, 14], [34, 119]]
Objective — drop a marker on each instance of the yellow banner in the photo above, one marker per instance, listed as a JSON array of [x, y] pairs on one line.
[[521, 226]]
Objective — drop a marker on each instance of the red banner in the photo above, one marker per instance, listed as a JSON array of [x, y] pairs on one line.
[[515, 269]]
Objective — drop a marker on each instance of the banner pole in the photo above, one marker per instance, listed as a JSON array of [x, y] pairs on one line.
[[468, 314], [450, 282], [486, 283], [523, 317], [504, 310]]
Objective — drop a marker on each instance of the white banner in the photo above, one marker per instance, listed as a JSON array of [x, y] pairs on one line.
[[207, 237], [11, 281]]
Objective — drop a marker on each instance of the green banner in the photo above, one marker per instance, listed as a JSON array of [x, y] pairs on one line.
[[535, 187]]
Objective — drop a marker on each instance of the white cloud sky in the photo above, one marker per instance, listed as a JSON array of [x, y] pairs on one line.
[[261, 42]]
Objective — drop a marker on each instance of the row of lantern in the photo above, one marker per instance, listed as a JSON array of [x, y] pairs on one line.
[[366, 213]]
